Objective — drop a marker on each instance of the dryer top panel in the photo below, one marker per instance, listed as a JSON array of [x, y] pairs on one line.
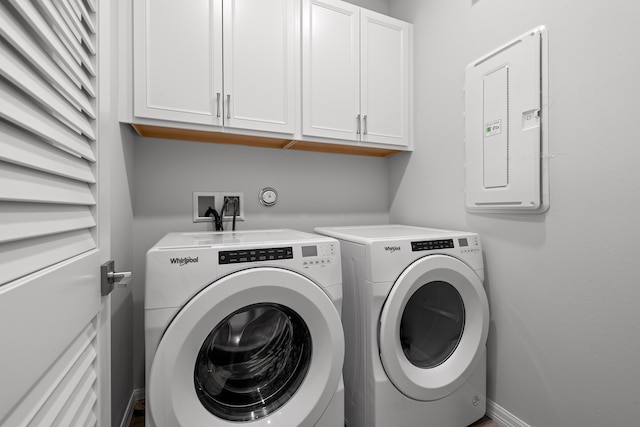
[[369, 234], [235, 238], [389, 249]]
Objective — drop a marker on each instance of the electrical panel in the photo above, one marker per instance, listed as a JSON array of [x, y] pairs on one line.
[[506, 123]]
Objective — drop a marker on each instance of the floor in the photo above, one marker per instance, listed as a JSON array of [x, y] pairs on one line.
[[138, 414], [485, 422], [138, 418]]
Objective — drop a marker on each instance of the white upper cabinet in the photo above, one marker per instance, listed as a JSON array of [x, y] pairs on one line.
[[180, 68], [355, 74], [320, 75], [330, 69], [259, 80], [385, 75], [178, 60]]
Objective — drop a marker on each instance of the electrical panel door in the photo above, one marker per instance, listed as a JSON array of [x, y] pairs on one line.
[[505, 143]]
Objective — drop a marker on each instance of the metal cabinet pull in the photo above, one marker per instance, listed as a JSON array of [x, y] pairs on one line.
[[218, 104], [358, 124], [365, 124], [228, 106]]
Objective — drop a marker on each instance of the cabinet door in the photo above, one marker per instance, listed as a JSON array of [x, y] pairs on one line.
[[259, 80], [177, 60], [385, 102], [330, 69]]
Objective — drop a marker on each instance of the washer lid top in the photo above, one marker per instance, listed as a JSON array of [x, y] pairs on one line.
[[390, 248], [235, 238]]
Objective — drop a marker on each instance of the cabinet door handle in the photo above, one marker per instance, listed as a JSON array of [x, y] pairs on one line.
[[358, 124], [365, 125], [228, 106], [218, 104]]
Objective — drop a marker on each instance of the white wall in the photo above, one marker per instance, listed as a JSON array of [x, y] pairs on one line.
[[380, 6], [119, 142], [122, 372], [314, 189], [564, 343]]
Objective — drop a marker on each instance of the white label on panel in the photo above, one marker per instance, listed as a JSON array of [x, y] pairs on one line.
[[493, 128]]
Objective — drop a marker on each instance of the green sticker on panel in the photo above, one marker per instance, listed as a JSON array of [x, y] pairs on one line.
[[493, 128]]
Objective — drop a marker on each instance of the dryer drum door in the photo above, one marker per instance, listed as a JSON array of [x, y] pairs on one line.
[[263, 345], [433, 327]]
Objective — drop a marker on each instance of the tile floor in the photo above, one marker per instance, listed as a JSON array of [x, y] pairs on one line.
[[138, 418]]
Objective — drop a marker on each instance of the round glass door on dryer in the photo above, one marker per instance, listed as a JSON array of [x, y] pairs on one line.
[[262, 346], [433, 327]]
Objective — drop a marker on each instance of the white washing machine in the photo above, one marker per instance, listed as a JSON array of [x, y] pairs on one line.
[[415, 317], [243, 329]]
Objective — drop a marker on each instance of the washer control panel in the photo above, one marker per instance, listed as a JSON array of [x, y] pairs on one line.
[[305, 255], [253, 255], [469, 245], [319, 255]]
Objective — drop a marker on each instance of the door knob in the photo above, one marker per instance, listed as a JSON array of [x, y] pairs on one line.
[[110, 279]]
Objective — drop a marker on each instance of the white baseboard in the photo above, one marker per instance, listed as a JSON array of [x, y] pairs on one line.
[[128, 414], [502, 416]]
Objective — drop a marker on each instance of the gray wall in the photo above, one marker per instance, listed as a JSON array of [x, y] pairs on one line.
[[563, 287], [314, 189]]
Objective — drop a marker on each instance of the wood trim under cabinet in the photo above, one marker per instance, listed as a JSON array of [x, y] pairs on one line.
[[257, 141], [342, 149], [206, 136]]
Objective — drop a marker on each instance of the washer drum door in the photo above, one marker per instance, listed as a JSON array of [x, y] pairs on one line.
[[259, 347], [433, 327]]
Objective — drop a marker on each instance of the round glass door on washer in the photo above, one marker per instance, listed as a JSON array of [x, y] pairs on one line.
[[253, 362], [261, 345]]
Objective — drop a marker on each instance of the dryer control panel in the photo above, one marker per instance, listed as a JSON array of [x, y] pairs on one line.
[[463, 244], [429, 245]]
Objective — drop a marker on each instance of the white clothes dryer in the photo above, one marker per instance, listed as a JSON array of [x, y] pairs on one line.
[[415, 317], [243, 329]]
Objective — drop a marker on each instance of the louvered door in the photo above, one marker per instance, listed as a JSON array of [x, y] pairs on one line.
[[49, 252]]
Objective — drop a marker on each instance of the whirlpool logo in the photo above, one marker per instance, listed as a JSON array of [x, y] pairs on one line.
[[183, 261], [391, 249]]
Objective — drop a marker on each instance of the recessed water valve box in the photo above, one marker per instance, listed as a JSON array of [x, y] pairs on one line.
[[506, 122], [202, 201], [224, 203]]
